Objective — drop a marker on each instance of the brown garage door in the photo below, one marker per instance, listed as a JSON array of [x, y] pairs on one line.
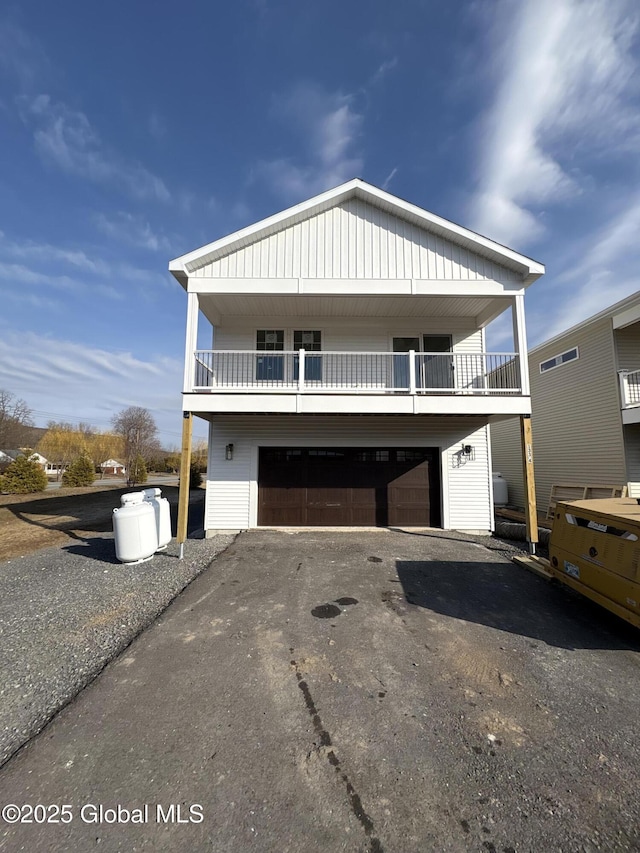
[[347, 486]]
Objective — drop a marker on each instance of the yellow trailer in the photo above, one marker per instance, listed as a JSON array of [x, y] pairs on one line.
[[595, 549]]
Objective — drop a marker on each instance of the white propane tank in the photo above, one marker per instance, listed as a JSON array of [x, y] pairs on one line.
[[500, 490], [134, 527], [162, 514]]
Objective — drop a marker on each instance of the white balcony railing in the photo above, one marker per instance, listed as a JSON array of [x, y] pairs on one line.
[[630, 388], [356, 372]]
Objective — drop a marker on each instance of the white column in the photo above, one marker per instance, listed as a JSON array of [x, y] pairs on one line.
[[412, 371], [301, 371], [624, 386], [520, 341], [191, 342]]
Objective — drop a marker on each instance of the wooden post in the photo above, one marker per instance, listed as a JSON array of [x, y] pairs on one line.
[[185, 472], [529, 482]]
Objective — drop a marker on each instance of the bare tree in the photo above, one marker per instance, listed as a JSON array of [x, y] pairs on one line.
[[139, 432], [16, 421]]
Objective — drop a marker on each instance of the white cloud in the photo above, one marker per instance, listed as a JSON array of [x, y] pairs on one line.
[[602, 270], [566, 72], [617, 242], [22, 275], [43, 261], [384, 68], [75, 382], [330, 127], [133, 230], [390, 177], [46, 252], [21, 56], [65, 138], [157, 126]]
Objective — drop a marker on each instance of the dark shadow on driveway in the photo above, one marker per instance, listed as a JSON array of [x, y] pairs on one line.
[[507, 597]]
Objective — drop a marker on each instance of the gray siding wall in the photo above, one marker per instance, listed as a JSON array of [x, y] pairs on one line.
[[577, 427], [506, 457], [632, 447], [627, 343]]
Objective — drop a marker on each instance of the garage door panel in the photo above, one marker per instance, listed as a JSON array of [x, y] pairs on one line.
[[349, 487]]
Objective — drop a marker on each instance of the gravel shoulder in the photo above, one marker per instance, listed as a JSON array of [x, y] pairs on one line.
[[65, 612]]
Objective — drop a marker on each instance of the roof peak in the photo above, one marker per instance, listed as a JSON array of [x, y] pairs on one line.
[[182, 266]]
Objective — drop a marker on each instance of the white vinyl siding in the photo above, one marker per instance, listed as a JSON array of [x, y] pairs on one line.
[[231, 502], [576, 422], [345, 337], [356, 240]]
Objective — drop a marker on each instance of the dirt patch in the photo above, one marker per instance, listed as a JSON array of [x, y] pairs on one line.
[[31, 522]]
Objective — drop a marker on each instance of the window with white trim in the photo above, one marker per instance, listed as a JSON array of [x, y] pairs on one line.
[[559, 360]]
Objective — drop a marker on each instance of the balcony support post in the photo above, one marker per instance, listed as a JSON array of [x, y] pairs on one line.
[[412, 371], [185, 474], [520, 342], [531, 511], [301, 371], [191, 342]]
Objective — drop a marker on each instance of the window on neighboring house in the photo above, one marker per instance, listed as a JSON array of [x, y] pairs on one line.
[[558, 360]]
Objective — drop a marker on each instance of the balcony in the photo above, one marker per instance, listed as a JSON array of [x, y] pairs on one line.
[[358, 382], [303, 372], [630, 395]]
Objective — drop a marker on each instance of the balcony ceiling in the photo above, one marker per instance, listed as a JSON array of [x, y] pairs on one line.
[[217, 308]]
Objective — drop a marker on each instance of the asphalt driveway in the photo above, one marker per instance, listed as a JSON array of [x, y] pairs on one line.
[[378, 691]]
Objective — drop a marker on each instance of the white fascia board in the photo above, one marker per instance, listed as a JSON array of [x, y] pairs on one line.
[[183, 263], [530, 269], [627, 317], [352, 287]]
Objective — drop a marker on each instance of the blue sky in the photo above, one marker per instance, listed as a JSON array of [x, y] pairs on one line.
[[136, 135]]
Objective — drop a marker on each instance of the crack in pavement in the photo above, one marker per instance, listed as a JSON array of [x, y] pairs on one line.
[[325, 740]]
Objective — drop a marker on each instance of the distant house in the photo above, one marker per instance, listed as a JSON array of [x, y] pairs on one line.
[[9, 456], [112, 466], [585, 399], [5, 459], [42, 462]]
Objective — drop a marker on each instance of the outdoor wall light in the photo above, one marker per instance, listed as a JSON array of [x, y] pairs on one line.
[[228, 452], [467, 449]]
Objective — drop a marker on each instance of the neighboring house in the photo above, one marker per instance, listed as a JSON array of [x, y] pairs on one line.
[[40, 459], [112, 466], [349, 382], [9, 456], [585, 394], [6, 458]]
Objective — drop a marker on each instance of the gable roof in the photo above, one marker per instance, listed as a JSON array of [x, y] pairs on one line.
[[528, 269]]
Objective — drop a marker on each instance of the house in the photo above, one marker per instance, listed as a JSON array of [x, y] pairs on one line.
[[9, 456], [6, 459], [585, 395], [112, 466], [347, 381], [40, 459]]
